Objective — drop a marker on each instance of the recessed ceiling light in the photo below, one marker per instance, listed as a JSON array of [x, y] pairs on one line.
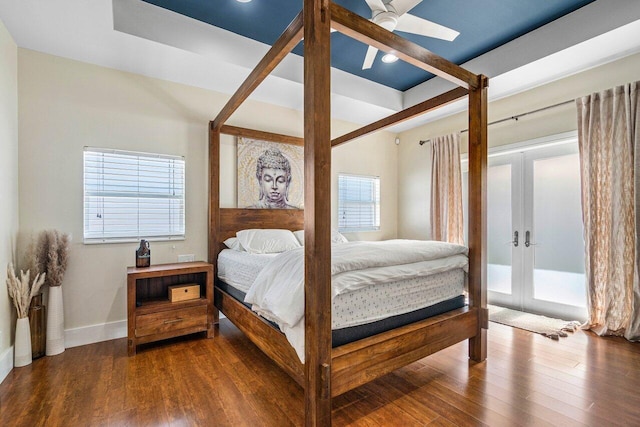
[[243, 1], [389, 58]]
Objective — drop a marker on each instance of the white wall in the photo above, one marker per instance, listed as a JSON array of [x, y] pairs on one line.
[[65, 105], [8, 186], [414, 167]]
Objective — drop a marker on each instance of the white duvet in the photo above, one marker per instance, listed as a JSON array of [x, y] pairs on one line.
[[277, 293]]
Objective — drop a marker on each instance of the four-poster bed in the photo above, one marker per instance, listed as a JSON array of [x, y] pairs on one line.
[[328, 371]]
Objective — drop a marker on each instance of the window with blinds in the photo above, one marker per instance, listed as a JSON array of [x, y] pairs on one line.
[[358, 203], [130, 196]]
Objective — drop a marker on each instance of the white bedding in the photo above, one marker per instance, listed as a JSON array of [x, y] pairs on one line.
[[239, 269], [278, 290]]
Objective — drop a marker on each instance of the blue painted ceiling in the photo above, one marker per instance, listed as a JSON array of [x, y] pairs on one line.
[[483, 26]]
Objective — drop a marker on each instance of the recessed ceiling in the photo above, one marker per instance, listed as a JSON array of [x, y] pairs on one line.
[[139, 37], [483, 26]]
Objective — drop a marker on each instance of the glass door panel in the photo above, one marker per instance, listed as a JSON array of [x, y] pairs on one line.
[[536, 193], [554, 224], [499, 229], [503, 213]]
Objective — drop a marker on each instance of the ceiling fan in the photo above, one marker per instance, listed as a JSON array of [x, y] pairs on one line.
[[392, 15]]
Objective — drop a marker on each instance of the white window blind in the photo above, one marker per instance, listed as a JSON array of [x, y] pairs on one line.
[[130, 196], [358, 203]]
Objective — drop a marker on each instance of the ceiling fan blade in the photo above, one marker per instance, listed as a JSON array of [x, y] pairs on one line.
[[369, 58], [377, 5], [412, 24], [404, 6]]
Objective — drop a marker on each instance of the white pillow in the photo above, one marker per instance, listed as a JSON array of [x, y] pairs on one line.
[[336, 237], [267, 241], [234, 243]]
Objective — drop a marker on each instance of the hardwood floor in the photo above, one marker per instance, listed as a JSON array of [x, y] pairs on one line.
[[226, 381]]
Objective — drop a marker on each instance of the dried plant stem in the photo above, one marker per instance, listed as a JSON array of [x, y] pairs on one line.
[[21, 290], [50, 256]]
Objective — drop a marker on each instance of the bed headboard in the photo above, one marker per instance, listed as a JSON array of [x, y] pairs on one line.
[[233, 220]]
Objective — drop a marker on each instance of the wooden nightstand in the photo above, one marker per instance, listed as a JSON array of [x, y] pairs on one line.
[[150, 314]]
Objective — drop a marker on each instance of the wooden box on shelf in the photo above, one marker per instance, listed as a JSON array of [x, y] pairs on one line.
[[151, 314], [184, 292]]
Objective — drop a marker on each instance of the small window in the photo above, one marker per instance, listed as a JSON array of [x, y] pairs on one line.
[[130, 196], [358, 203]]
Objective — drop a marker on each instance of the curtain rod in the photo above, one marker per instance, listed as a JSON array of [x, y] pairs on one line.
[[516, 117]]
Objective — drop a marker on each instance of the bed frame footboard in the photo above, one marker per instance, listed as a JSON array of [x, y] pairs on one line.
[[357, 363], [362, 361]]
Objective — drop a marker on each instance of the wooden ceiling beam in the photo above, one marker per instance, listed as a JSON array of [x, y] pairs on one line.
[[401, 116], [361, 29], [281, 48]]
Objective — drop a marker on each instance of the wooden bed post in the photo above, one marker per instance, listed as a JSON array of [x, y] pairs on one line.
[[214, 202], [317, 211], [477, 221]]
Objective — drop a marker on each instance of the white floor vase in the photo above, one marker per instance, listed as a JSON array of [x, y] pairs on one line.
[[55, 322], [22, 346]]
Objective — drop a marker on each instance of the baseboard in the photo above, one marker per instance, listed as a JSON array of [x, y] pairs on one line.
[[6, 363], [95, 333]]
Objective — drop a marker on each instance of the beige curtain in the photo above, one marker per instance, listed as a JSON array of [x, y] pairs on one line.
[[446, 189], [608, 139], [633, 330]]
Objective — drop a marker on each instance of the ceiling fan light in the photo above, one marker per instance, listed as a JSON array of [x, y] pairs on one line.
[[389, 58]]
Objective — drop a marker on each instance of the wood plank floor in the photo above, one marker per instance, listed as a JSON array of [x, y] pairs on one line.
[[226, 381]]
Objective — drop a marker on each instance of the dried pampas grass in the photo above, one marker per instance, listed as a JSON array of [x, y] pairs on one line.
[[21, 290], [50, 255]]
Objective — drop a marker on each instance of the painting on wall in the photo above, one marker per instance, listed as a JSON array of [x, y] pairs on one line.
[[270, 175]]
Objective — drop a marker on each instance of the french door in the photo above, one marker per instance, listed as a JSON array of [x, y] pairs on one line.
[[535, 259]]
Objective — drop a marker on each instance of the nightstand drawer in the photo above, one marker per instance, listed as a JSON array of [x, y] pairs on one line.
[[171, 320]]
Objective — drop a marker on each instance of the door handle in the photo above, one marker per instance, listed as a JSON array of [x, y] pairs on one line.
[[515, 239], [527, 241]]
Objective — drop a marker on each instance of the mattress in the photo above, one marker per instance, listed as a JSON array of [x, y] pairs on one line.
[[239, 269], [346, 335], [383, 300], [359, 307]]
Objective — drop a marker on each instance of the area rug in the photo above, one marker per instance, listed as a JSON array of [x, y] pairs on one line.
[[547, 326]]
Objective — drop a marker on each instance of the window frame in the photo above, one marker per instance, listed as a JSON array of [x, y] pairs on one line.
[[172, 233], [374, 202]]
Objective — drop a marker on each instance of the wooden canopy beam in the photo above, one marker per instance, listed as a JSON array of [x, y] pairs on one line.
[[358, 28], [263, 136], [281, 48], [401, 116]]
